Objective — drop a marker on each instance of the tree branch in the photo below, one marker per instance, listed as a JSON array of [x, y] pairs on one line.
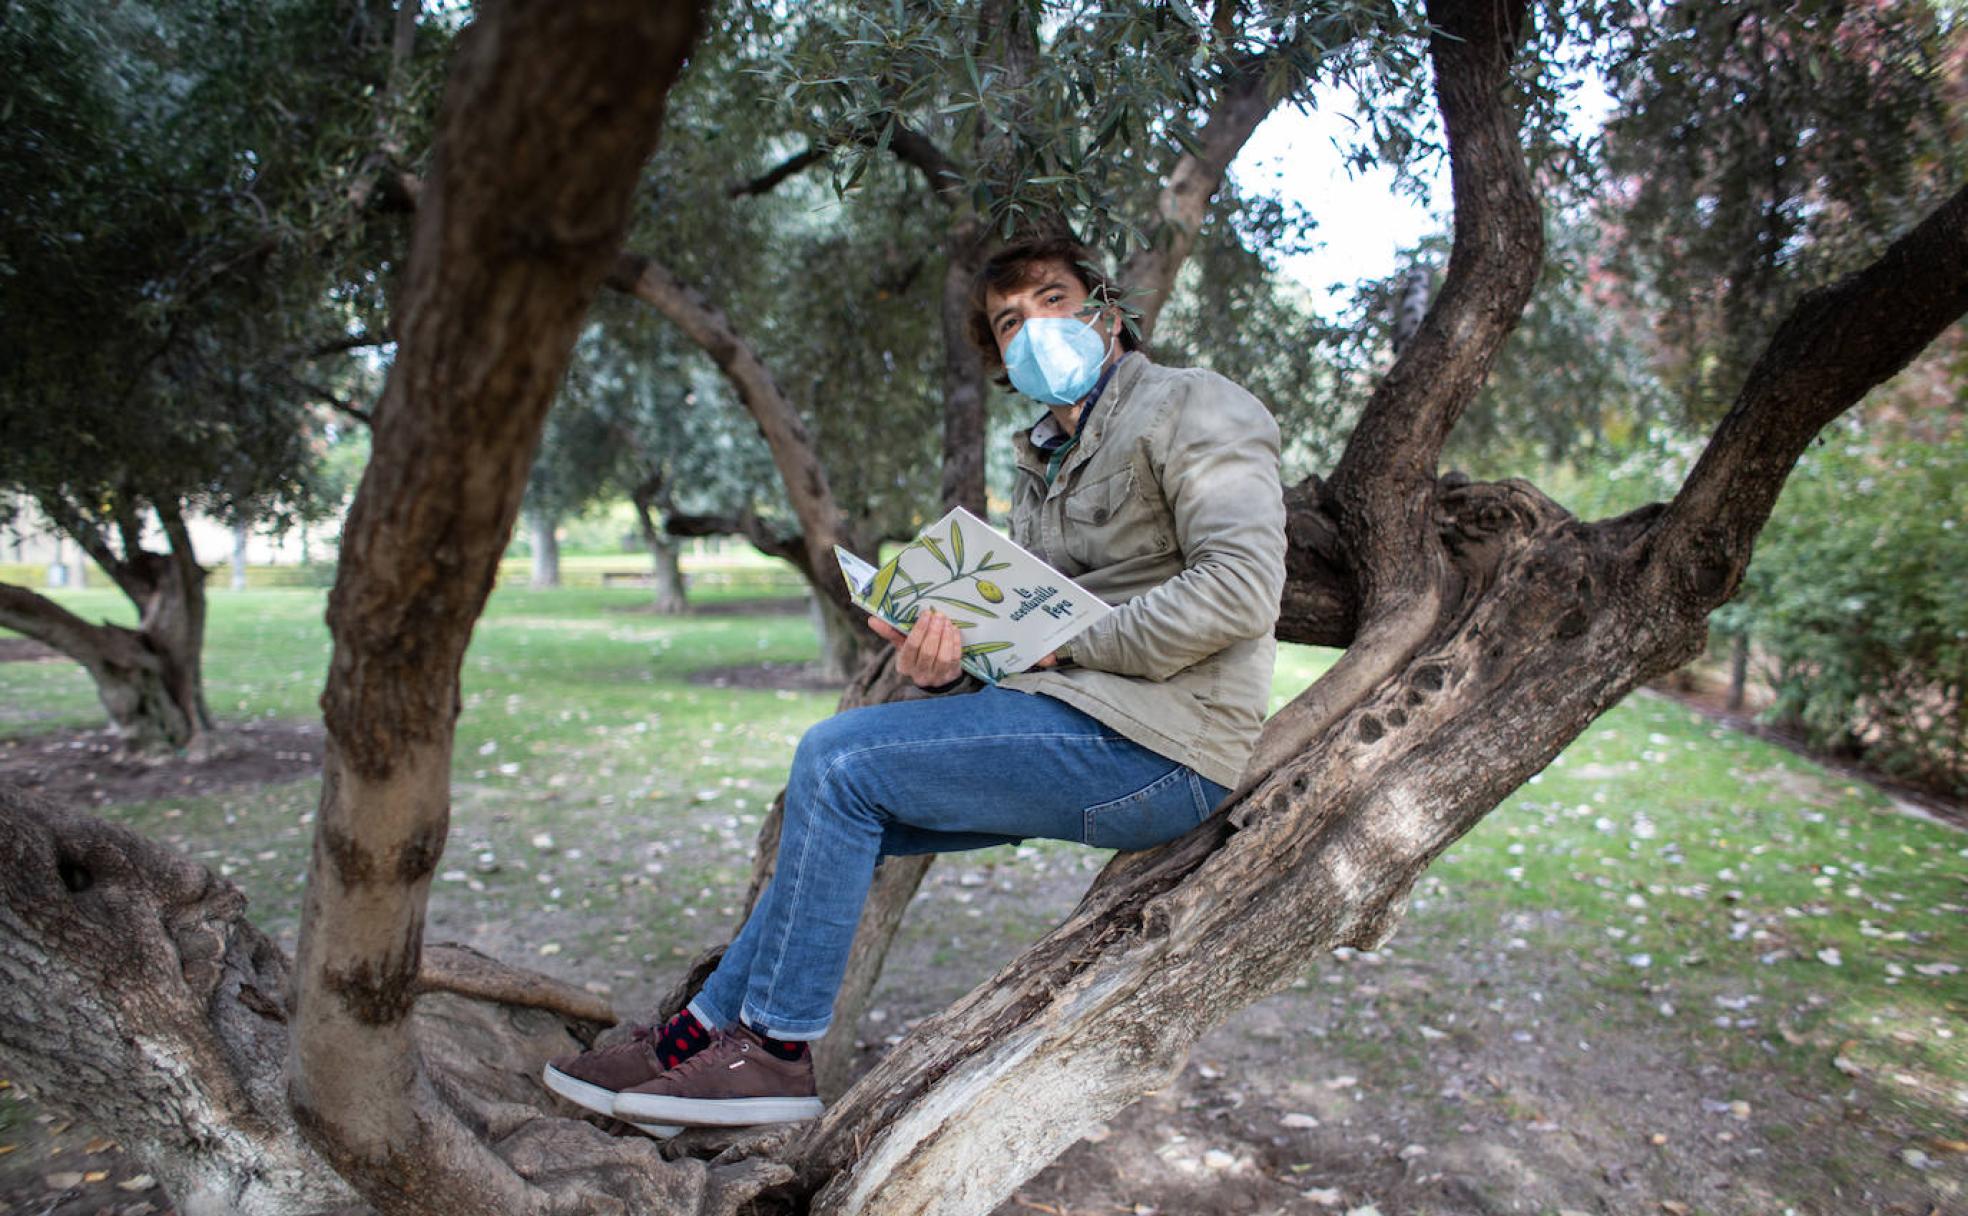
[[1242, 102], [450, 967], [912, 147], [352, 342], [1493, 267], [178, 537], [33, 615], [767, 181], [340, 404], [123, 571], [747, 524], [1834, 347], [786, 436], [1383, 494], [403, 42]]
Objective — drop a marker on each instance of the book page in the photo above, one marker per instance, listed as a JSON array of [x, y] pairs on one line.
[[1012, 608]]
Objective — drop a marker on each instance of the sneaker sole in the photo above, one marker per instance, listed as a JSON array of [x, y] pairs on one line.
[[662, 1131], [580, 1093], [713, 1112]]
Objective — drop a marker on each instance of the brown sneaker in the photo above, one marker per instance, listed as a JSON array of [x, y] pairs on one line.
[[735, 1082], [593, 1078]]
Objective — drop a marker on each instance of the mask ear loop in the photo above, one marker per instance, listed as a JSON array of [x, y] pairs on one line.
[[1115, 322]]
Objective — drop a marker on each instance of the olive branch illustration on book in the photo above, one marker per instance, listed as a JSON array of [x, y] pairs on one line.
[[1011, 607]]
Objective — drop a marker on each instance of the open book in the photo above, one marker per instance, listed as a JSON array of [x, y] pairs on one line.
[[1011, 608]]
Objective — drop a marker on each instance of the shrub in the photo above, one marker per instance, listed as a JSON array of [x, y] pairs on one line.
[[1858, 596]]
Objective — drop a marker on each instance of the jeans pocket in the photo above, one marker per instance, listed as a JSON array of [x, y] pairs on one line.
[[1160, 811]]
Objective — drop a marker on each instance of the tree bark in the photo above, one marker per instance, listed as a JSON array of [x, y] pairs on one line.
[[545, 543], [965, 390], [174, 1022], [521, 218]]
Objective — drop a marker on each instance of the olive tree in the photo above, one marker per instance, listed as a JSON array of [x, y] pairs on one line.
[[1485, 628]]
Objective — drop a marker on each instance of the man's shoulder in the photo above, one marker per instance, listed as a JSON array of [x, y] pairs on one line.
[[1180, 391], [1186, 381]]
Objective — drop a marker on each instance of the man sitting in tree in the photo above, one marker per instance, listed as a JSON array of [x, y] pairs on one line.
[[1157, 489]]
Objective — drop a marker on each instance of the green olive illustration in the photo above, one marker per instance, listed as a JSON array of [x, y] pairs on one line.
[[989, 590]]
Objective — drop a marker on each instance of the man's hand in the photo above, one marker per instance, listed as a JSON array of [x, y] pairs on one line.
[[930, 654]]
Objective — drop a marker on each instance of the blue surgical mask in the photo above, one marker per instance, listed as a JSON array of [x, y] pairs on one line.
[[1055, 360]]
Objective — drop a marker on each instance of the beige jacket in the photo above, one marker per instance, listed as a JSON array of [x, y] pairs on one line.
[[1170, 508]]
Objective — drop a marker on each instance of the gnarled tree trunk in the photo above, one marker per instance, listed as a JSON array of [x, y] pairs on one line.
[[151, 678], [173, 1018]]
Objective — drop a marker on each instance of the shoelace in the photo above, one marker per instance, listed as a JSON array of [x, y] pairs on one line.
[[718, 1039], [639, 1036]]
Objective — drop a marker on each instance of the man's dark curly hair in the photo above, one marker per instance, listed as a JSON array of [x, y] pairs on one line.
[[1019, 264]]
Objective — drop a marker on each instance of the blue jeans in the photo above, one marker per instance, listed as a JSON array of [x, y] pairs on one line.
[[932, 776]]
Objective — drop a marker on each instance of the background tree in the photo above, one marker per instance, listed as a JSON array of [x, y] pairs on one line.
[[175, 173], [644, 417], [1760, 146]]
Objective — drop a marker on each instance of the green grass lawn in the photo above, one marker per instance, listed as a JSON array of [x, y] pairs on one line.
[[1781, 921]]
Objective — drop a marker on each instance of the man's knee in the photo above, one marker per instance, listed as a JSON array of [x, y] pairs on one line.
[[823, 746]]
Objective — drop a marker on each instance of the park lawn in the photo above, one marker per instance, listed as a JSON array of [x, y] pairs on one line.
[[1670, 880]]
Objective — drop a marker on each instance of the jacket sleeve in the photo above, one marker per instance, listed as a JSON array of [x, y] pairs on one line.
[[1220, 477]]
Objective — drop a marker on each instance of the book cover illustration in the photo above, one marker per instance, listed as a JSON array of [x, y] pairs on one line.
[[1012, 608]]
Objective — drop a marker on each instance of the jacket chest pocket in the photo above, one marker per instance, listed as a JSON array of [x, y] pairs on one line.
[[1114, 519]]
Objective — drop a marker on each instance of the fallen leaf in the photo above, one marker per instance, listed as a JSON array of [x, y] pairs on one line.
[[1347, 1082], [1672, 1208], [100, 1144], [95, 1176], [62, 1181], [142, 1182], [1299, 1122], [1324, 1196], [1949, 1146], [1657, 1139], [7, 1148]]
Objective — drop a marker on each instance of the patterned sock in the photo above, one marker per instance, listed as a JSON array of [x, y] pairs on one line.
[[680, 1038], [785, 1049]]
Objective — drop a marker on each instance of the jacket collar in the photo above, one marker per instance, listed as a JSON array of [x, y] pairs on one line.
[[1126, 374]]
